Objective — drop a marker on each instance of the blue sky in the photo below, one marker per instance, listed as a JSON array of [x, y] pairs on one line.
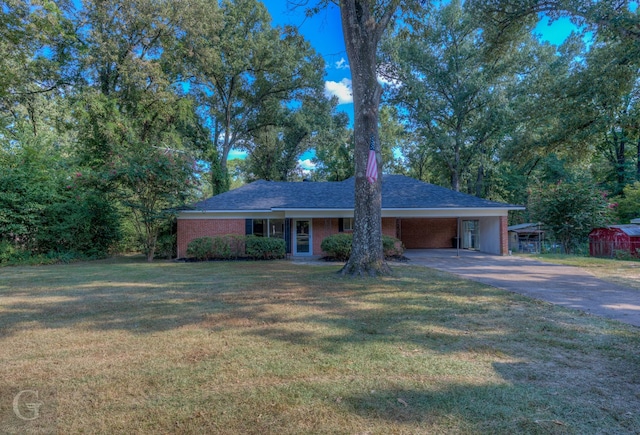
[[324, 32]]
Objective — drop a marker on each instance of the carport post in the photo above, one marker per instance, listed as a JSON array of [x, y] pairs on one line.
[[458, 238]]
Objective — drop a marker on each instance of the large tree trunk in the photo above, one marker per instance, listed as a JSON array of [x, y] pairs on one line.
[[619, 142], [638, 160], [219, 170], [480, 181], [361, 34]]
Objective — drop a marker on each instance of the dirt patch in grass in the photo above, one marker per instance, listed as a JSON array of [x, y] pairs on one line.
[[129, 347]]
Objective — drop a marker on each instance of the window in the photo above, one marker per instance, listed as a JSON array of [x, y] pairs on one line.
[[276, 228], [268, 228], [346, 224], [259, 227]]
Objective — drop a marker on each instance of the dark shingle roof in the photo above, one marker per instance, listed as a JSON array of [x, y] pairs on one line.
[[398, 192]]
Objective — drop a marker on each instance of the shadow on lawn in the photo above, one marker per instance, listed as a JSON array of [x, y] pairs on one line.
[[417, 312], [499, 408], [564, 403], [299, 305]]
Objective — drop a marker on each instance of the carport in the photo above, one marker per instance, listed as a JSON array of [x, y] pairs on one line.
[[465, 231]]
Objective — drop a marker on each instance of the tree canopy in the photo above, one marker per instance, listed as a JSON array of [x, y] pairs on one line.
[[113, 115]]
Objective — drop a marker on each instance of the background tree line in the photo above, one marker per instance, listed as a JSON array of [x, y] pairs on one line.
[[493, 111], [114, 114]]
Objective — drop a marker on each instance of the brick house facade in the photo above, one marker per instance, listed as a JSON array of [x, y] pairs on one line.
[[421, 215]]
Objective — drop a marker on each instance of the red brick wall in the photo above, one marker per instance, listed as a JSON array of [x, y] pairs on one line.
[[189, 229], [415, 233], [321, 228], [504, 236], [389, 227], [325, 227], [422, 233]]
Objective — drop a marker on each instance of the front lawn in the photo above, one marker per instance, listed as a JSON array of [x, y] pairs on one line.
[[123, 346]]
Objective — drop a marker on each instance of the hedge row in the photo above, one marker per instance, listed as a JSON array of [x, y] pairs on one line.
[[233, 247], [338, 246]]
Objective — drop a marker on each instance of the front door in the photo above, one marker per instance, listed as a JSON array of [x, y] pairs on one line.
[[302, 239]]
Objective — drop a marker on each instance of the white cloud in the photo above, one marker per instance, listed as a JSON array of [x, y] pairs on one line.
[[307, 164], [389, 82], [341, 89], [385, 78], [342, 64]]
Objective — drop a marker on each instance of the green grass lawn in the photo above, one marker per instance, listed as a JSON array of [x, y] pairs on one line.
[[122, 346]]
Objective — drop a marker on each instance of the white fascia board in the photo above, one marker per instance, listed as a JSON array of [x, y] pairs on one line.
[[447, 212], [345, 213], [317, 213], [407, 213], [230, 214]]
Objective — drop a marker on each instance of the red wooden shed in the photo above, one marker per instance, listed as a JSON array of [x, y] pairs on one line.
[[607, 241]]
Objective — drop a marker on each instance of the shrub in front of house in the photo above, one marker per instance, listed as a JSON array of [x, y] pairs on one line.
[[209, 248], [265, 248], [201, 248], [338, 246], [233, 246], [228, 247], [237, 245], [392, 247]]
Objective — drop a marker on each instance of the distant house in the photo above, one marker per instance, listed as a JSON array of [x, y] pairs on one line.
[[420, 214], [525, 237], [609, 241]]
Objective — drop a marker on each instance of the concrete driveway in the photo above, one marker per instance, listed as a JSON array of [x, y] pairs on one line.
[[568, 286]]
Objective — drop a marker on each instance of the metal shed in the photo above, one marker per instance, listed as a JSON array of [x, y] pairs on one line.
[[525, 237], [609, 241]]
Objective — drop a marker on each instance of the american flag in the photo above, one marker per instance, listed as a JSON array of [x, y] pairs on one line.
[[372, 164]]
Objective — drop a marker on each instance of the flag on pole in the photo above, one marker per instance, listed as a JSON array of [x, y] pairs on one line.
[[372, 164]]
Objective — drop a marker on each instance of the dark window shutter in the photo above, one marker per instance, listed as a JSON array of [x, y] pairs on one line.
[[248, 226], [287, 234], [341, 225]]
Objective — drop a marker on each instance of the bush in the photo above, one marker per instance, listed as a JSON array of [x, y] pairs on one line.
[[237, 245], [392, 247], [166, 246], [200, 248], [620, 254], [209, 248], [78, 221], [233, 246], [12, 254], [338, 246], [265, 248]]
